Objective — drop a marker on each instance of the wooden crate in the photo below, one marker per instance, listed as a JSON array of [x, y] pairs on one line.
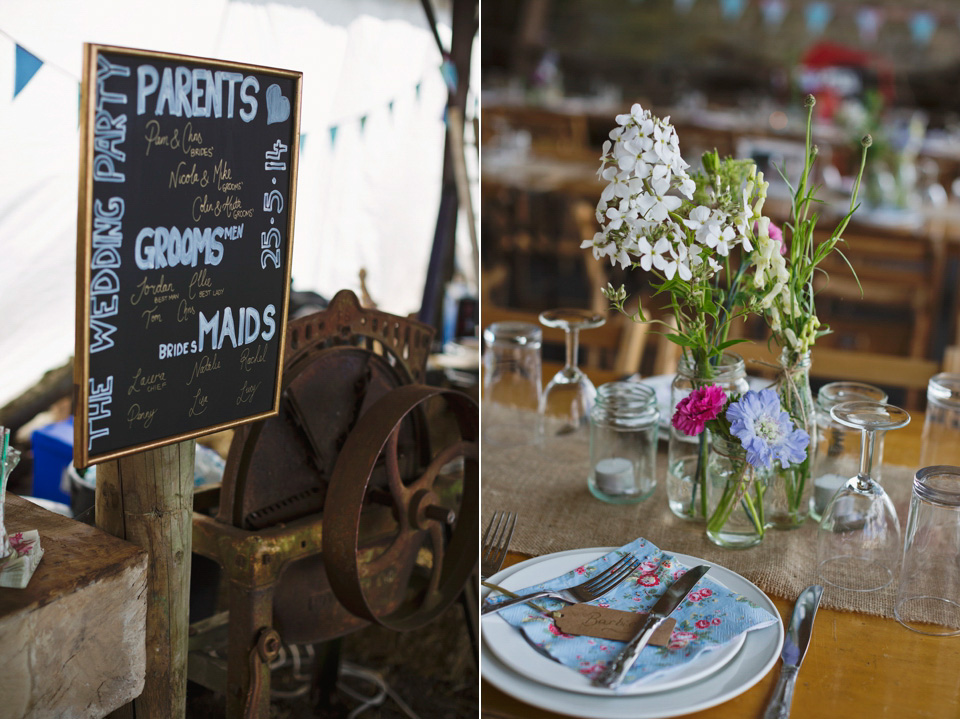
[[72, 643]]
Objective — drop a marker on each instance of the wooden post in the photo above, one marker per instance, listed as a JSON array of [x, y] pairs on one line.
[[147, 499]]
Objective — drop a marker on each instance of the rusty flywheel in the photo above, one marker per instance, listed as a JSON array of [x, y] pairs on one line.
[[346, 370]]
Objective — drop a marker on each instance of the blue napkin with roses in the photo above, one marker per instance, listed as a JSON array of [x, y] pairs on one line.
[[710, 616]]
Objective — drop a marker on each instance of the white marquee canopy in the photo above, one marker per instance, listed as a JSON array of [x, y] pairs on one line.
[[371, 145]]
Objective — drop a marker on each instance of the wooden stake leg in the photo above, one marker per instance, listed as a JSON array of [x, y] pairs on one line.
[[147, 499]]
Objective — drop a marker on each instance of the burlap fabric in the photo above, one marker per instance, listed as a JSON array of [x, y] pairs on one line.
[[547, 485]]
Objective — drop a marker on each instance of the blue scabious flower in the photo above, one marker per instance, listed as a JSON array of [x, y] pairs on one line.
[[766, 431]]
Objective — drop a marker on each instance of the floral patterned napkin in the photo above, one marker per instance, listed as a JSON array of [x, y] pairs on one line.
[[708, 618]]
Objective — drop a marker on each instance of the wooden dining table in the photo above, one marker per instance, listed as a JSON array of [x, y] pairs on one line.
[[857, 665]]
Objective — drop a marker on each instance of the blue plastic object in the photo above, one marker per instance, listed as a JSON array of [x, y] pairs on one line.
[[52, 452]]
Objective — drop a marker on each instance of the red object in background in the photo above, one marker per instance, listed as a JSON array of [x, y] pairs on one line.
[[828, 54]]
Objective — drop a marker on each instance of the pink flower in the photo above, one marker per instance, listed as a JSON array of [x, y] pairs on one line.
[[648, 580], [716, 621], [703, 623], [695, 596], [699, 407], [557, 633], [648, 566], [580, 570], [704, 593]]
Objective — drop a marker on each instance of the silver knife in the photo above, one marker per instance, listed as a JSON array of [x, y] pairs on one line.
[[612, 676], [795, 645]]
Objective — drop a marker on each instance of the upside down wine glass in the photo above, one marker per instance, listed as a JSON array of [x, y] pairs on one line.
[[859, 537], [569, 396]]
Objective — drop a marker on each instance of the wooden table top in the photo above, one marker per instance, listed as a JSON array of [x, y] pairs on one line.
[[857, 665]]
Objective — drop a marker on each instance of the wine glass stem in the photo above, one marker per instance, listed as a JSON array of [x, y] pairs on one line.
[[867, 441], [573, 342]]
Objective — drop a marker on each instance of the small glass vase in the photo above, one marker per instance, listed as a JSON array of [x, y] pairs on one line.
[[11, 460], [788, 497], [736, 494], [687, 456]]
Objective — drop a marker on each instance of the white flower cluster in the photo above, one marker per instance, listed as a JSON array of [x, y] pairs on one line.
[[771, 274], [642, 222]]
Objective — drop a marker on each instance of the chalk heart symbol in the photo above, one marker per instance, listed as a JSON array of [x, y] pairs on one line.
[[278, 107]]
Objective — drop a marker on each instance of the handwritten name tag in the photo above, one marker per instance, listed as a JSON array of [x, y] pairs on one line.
[[590, 621]]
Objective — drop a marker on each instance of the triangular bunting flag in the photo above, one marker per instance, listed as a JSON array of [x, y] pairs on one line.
[[922, 26], [417, 88], [773, 12], [449, 72], [333, 136], [363, 123], [731, 9], [819, 15], [682, 6], [27, 65], [869, 20], [390, 107]]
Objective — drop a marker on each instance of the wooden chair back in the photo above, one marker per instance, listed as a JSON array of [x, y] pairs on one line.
[[900, 274], [890, 372]]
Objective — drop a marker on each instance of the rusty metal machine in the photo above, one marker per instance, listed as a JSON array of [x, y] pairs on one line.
[[358, 503]]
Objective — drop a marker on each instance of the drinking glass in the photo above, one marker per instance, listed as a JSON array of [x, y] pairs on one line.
[[511, 383], [569, 396], [859, 536], [941, 427], [928, 598], [838, 446]]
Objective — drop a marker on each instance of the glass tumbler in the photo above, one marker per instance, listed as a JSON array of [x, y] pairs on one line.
[[511, 384], [624, 423], [837, 456], [928, 598], [941, 427]]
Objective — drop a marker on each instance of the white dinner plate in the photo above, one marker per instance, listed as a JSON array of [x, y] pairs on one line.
[[510, 646], [757, 656]]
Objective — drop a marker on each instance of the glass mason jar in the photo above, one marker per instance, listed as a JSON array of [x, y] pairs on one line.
[[941, 426], [687, 456], [928, 598], [10, 461], [511, 383], [788, 498], [624, 424], [837, 456], [735, 496]]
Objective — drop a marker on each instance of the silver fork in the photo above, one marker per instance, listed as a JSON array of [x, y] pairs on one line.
[[593, 588], [496, 540]]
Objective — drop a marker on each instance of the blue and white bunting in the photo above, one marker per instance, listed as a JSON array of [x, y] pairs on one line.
[[773, 11], [731, 9], [869, 22], [923, 25], [818, 16], [27, 65]]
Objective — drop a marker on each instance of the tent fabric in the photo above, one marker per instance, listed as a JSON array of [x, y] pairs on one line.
[[368, 200]]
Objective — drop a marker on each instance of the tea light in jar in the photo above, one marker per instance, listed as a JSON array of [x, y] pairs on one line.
[[614, 475], [824, 488]]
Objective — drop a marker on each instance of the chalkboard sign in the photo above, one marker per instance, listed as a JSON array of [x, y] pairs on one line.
[[188, 173]]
